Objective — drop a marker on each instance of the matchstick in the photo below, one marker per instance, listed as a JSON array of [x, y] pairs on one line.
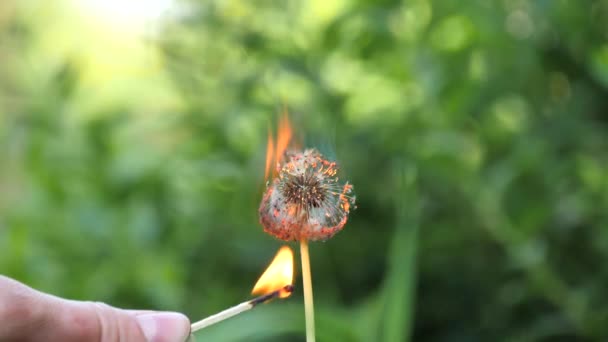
[[307, 283], [220, 316], [237, 309]]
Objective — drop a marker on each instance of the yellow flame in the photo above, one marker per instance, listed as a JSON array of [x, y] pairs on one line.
[[278, 274]]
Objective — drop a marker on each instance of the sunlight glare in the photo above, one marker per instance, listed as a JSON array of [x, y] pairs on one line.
[[135, 15]]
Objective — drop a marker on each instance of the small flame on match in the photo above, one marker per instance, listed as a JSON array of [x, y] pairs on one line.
[[278, 275], [274, 154]]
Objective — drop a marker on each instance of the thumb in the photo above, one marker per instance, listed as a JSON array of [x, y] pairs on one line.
[[115, 325], [29, 315]]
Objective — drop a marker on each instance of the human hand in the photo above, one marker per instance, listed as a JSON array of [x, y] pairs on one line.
[[30, 315]]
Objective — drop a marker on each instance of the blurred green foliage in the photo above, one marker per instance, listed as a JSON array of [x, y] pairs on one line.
[[475, 133]]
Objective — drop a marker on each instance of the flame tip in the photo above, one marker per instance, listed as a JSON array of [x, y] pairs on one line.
[[276, 149]]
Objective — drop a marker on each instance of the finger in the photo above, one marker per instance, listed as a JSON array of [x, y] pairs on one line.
[[29, 315]]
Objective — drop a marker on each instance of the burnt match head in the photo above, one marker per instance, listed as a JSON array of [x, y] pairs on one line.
[[288, 288], [306, 200], [283, 292]]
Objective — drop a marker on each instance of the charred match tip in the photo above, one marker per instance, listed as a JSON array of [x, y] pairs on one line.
[[287, 288], [272, 295]]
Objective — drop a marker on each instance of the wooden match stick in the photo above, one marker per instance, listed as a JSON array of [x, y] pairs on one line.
[[307, 283], [237, 309]]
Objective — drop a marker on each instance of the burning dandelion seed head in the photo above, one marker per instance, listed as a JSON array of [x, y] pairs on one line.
[[306, 200]]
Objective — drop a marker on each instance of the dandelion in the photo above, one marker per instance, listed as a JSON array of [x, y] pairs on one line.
[[304, 200]]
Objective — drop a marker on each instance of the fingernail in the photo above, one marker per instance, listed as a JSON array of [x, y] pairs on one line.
[[164, 327]]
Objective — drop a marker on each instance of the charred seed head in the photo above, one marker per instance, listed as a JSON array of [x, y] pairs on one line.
[[305, 200]]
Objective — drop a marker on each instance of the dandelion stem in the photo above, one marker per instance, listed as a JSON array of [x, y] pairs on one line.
[[307, 284]]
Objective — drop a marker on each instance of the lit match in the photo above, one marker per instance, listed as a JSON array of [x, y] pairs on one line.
[[275, 282], [240, 308]]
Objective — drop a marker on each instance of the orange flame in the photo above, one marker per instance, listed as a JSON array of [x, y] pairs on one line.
[[269, 156], [274, 154], [284, 136], [278, 274]]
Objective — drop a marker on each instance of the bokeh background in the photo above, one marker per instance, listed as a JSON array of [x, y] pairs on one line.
[[132, 141]]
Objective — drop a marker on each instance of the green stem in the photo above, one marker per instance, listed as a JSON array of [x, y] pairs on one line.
[[308, 300]]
